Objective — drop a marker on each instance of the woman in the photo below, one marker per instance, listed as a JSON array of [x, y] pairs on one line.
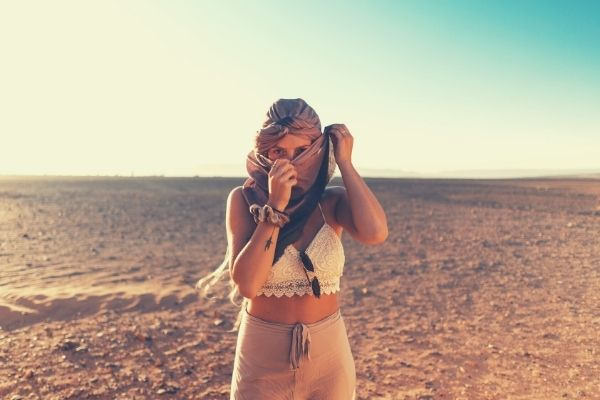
[[285, 257]]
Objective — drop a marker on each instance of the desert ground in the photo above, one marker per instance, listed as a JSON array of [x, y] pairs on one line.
[[484, 289]]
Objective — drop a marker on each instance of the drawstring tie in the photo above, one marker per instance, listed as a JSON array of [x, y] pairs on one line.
[[300, 342]]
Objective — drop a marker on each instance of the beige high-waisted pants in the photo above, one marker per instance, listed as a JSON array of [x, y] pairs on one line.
[[293, 361]]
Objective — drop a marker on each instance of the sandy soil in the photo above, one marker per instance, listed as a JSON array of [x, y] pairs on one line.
[[483, 290]]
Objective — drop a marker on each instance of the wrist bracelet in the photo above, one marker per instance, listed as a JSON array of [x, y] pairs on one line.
[[281, 212], [266, 213]]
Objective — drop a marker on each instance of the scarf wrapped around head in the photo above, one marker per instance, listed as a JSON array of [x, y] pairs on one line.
[[315, 165]]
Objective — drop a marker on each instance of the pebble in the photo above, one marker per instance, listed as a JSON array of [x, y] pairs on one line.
[[82, 348], [169, 389], [68, 345]]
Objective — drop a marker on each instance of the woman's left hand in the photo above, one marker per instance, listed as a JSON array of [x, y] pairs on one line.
[[342, 142]]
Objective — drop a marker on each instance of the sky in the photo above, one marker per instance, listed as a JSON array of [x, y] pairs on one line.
[[179, 88]]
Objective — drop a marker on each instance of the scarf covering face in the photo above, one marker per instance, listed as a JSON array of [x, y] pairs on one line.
[[315, 165]]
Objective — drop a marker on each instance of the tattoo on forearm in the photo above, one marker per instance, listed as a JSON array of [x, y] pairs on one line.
[[268, 242]]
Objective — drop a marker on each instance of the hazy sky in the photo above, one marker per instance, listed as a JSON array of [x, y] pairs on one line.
[[164, 87]]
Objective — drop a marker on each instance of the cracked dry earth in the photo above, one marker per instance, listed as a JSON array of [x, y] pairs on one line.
[[484, 289]]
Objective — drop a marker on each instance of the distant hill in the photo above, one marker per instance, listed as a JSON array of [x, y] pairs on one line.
[[231, 170], [518, 173], [239, 171], [481, 173]]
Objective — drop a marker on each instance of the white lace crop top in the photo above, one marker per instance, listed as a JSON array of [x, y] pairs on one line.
[[288, 277]]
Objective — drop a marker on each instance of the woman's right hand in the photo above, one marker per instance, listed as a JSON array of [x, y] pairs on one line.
[[282, 177]]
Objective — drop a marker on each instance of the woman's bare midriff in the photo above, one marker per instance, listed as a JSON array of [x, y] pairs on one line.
[[305, 309]]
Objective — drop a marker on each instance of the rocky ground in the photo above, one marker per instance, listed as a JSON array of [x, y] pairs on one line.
[[483, 290]]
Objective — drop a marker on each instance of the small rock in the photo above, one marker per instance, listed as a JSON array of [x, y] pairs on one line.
[[430, 384], [169, 389], [172, 389], [113, 365], [67, 345], [143, 336], [81, 349]]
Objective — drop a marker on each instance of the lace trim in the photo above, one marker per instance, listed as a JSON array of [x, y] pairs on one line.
[[299, 288]]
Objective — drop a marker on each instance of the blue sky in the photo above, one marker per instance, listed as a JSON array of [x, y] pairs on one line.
[[174, 88]]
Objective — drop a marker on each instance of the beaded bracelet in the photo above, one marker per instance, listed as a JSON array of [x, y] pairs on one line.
[[269, 214]]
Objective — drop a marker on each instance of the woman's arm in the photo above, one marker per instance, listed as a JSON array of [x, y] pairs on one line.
[[252, 256], [357, 209], [252, 246]]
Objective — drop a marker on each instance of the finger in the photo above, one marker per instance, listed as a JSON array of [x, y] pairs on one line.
[[280, 162], [335, 135], [291, 181], [280, 166], [286, 168], [293, 172], [278, 173], [288, 176]]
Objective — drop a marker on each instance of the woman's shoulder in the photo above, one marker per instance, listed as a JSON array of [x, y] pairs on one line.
[[236, 204], [236, 191], [332, 193], [236, 197], [329, 201]]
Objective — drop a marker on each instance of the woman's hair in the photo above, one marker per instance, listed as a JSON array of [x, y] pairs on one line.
[[207, 283]]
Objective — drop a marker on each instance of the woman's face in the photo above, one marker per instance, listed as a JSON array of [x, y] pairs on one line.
[[290, 146]]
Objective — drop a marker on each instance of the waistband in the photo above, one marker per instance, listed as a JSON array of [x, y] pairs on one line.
[[281, 327], [301, 333]]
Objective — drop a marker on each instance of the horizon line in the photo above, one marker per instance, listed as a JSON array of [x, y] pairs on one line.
[[368, 173]]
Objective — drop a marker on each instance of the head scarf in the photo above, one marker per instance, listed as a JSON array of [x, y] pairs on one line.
[[315, 165]]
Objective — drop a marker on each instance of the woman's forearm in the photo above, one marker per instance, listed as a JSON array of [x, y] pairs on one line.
[[367, 214], [253, 264]]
